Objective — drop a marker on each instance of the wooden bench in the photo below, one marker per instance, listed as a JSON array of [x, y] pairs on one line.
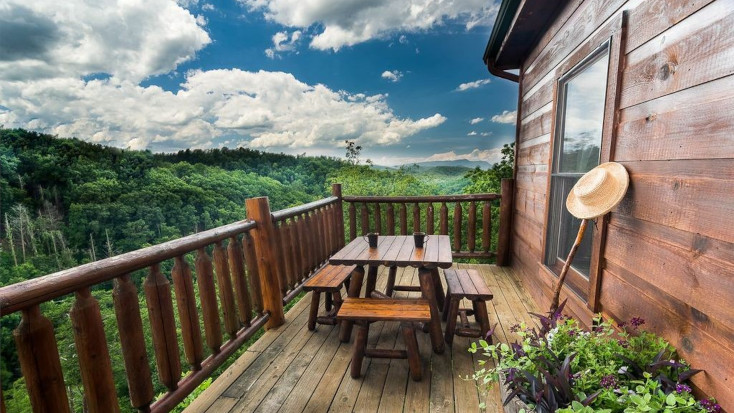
[[329, 280], [470, 285], [363, 311]]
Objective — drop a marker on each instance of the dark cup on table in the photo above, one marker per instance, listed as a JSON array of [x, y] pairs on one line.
[[420, 239], [372, 239]]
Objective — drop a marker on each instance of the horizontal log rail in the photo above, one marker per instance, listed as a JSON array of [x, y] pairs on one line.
[[423, 199], [38, 290]]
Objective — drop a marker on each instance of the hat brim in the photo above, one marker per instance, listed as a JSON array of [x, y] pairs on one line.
[[620, 178]]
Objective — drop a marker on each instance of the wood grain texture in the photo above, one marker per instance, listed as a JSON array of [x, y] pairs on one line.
[[208, 297], [95, 365], [183, 285], [39, 362], [132, 342], [163, 327]]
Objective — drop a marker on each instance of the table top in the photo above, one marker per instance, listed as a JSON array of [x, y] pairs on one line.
[[397, 250]]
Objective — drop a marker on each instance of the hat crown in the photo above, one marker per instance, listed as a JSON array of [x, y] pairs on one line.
[[590, 185]]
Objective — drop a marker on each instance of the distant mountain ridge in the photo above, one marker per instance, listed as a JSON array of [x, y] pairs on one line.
[[459, 162]]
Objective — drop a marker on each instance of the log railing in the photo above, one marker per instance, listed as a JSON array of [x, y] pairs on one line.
[[244, 273], [466, 218]]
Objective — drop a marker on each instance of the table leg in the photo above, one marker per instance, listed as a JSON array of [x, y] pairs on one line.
[[429, 293], [440, 297], [355, 286], [371, 280], [391, 281]]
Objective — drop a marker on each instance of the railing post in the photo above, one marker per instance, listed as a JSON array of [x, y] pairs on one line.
[[503, 242], [258, 210]]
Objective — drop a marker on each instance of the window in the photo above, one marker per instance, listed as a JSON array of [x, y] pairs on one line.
[[577, 147]]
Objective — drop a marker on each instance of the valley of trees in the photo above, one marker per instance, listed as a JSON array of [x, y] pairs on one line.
[[65, 202]]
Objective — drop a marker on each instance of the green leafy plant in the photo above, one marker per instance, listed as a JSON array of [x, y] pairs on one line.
[[560, 366]]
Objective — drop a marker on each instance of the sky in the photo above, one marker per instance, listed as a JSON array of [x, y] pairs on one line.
[[402, 78]]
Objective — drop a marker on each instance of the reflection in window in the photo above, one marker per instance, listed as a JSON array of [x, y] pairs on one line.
[[580, 117]]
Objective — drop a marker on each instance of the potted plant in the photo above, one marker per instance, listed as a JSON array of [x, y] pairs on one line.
[[562, 367]]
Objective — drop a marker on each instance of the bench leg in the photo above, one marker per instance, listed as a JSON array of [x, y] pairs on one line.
[[480, 314], [445, 311], [411, 345], [327, 302], [391, 281], [337, 296], [314, 311], [451, 323], [360, 344], [355, 286]]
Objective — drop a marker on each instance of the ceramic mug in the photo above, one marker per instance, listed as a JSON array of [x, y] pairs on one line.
[[420, 239], [372, 239]]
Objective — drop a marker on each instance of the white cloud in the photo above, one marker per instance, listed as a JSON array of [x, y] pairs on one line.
[[392, 75], [505, 117], [260, 109], [488, 155], [284, 42], [402, 39], [472, 85], [486, 133], [472, 133], [345, 23], [476, 120], [130, 40], [208, 7]]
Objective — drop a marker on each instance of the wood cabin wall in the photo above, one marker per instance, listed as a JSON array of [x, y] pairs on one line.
[[669, 250]]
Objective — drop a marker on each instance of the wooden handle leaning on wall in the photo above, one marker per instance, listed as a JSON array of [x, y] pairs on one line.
[[561, 278]]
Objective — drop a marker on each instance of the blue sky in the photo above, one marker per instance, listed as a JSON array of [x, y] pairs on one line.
[[288, 76]]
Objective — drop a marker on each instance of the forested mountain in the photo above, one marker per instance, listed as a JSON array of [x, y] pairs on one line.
[[64, 202]]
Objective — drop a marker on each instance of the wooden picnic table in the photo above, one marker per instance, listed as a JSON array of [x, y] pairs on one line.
[[400, 251]]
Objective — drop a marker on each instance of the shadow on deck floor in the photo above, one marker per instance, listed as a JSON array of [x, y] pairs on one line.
[[291, 369]]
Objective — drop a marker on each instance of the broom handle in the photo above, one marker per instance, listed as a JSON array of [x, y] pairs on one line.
[[559, 283]]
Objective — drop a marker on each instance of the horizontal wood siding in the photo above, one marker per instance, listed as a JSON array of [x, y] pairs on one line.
[[669, 251]]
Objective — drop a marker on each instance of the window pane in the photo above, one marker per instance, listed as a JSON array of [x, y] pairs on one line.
[[583, 117]]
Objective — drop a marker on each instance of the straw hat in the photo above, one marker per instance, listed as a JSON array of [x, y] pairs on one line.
[[598, 191]]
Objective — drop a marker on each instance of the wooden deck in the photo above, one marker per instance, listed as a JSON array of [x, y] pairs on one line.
[[291, 369]]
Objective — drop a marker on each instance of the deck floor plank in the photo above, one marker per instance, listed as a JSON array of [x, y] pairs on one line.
[[291, 369]]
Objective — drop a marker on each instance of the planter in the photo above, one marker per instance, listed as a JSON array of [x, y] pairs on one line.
[[515, 405]]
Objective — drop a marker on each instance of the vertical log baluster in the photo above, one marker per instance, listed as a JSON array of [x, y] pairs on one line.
[[352, 221], [163, 327], [183, 284], [290, 272], [416, 217], [323, 230], [132, 342], [296, 250], [319, 234], [303, 246], [429, 219], [471, 230], [365, 219], [208, 296], [378, 219], [333, 229], [310, 242], [226, 297], [327, 231], [280, 258], [95, 366], [39, 362], [486, 226], [403, 219], [237, 271], [444, 222], [336, 190], [457, 227], [253, 274], [390, 219]]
